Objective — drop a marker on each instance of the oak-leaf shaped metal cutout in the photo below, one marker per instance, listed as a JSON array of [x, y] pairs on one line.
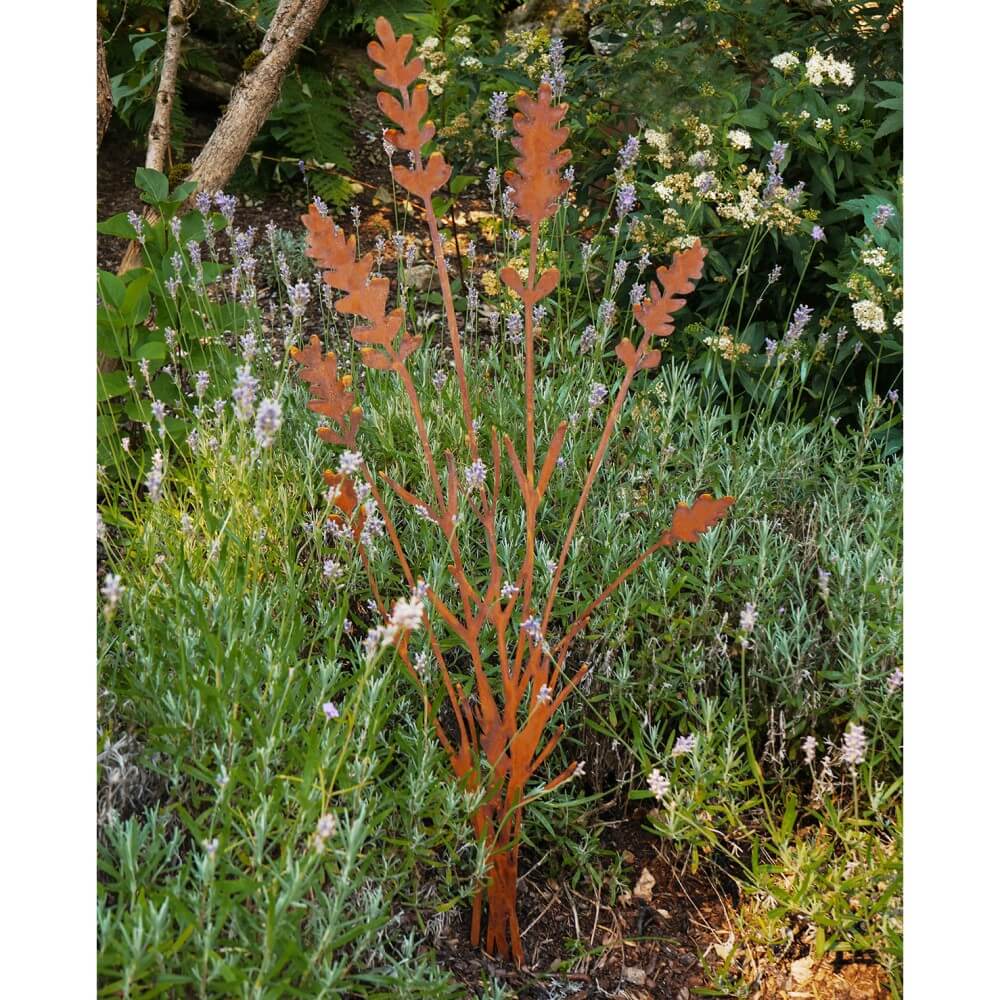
[[689, 523], [330, 393], [529, 296], [655, 313], [345, 499], [425, 181], [537, 181], [391, 56]]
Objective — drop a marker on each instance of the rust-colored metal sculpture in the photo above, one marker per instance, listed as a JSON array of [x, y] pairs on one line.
[[499, 744]]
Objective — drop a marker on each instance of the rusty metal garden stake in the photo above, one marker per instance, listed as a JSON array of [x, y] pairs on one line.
[[496, 751]]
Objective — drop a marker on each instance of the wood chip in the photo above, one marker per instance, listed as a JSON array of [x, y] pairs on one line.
[[801, 969], [644, 887], [634, 975]]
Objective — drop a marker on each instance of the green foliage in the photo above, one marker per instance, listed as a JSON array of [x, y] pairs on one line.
[[310, 122]]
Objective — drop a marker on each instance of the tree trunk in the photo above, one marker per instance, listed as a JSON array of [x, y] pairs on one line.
[[104, 102], [255, 94], [158, 140]]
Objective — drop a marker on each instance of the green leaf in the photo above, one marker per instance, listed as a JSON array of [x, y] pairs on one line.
[[182, 191], [111, 384], [460, 182], [152, 183], [155, 350], [892, 123], [752, 118], [111, 288], [117, 225], [135, 305]]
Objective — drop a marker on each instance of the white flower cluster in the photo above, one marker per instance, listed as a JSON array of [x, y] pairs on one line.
[[660, 141], [739, 138], [869, 316], [822, 69], [873, 257], [434, 61], [785, 62]]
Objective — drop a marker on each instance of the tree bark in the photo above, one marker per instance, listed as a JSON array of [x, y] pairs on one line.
[[255, 94], [158, 140], [104, 102]]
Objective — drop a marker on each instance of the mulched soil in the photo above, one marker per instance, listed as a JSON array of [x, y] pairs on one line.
[[579, 947]]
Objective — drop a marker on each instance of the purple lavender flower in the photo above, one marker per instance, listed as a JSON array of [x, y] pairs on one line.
[[226, 204], [684, 744], [792, 197], [618, 276], [298, 299], [626, 199], [475, 475], [203, 202], [330, 710], [135, 221], [629, 153], [605, 313], [882, 215], [515, 328], [705, 182], [800, 318], [532, 628], [498, 112], [893, 396], [598, 393], [321, 205], [778, 152], [112, 591], [268, 422], [492, 181], [349, 463], [817, 234], [438, 379], [248, 346], [159, 410], [588, 339], [244, 393], [154, 478], [854, 744]]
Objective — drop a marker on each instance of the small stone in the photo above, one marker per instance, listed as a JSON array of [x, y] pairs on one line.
[[634, 975]]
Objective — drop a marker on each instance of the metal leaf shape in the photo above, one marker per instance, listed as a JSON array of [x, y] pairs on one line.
[[345, 499], [331, 396], [365, 296], [537, 182], [655, 314], [391, 56], [689, 523]]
